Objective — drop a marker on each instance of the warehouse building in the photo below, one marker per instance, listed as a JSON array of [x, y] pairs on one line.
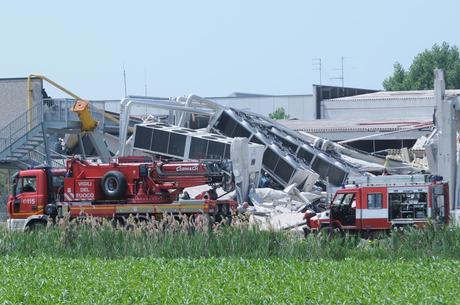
[[383, 105], [377, 120]]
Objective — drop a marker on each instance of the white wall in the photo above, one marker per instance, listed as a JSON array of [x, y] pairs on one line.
[[14, 95], [375, 109], [296, 106]]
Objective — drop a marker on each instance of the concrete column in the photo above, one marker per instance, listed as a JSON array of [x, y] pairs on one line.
[[447, 131]]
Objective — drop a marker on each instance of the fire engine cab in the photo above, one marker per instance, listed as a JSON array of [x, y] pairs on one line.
[[384, 202]]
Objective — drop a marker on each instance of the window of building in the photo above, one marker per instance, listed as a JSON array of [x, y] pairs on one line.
[[374, 201]]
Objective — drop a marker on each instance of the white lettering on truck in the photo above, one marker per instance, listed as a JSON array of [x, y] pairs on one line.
[[193, 168], [28, 201], [85, 183]]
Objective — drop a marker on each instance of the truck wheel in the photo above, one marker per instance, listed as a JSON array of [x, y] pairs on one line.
[[228, 214], [36, 226], [114, 184], [51, 210], [222, 213]]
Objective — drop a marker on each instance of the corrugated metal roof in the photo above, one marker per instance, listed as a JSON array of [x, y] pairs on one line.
[[396, 95], [352, 126]]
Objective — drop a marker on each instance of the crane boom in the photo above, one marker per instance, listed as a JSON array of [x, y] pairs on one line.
[[81, 106]]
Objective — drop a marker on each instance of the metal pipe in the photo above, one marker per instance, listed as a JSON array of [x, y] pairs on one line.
[[125, 109], [183, 115], [195, 100]]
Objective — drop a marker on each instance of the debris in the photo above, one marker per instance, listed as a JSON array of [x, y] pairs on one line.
[[280, 210]]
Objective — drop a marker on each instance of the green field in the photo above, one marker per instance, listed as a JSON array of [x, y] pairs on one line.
[[42, 280], [169, 263]]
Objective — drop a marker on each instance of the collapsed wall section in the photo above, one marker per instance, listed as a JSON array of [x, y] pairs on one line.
[[287, 157]]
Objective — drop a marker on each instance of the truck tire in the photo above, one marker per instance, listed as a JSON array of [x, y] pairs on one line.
[[114, 184], [36, 225], [222, 213], [51, 210]]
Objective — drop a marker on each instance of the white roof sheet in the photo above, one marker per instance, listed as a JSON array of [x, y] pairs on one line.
[[356, 125], [396, 95]]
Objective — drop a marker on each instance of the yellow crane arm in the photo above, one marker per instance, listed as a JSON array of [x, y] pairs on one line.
[[81, 106]]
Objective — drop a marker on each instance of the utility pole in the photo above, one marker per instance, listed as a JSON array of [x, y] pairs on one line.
[[343, 79], [317, 66], [341, 69]]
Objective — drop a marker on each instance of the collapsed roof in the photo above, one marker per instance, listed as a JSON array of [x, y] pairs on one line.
[[289, 156]]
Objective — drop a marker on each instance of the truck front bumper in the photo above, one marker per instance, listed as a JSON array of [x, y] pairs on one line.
[[16, 224]]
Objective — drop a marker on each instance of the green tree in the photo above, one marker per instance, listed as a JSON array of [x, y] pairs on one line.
[[420, 75], [278, 114]]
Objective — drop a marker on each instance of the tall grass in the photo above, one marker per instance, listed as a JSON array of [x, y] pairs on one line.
[[172, 239]]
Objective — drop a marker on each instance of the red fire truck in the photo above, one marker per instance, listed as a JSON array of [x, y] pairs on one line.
[[384, 202], [125, 186]]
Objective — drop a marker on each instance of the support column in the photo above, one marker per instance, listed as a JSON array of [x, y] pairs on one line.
[[447, 130]]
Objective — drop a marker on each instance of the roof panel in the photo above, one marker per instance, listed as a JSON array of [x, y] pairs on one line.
[[396, 95]]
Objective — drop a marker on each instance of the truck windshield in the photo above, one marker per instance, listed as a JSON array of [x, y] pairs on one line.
[[346, 199], [349, 199], [25, 185], [338, 199]]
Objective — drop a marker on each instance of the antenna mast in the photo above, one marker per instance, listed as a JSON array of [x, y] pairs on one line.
[[124, 80], [145, 82], [317, 66], [341, 69]]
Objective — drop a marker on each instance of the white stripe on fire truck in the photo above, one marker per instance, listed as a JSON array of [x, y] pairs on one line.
[[372, 213], [68, 196]]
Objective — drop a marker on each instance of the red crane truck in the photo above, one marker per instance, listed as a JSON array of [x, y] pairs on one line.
[[125, 186], [384, 202]]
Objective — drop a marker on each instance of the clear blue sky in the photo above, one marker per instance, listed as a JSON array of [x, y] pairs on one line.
[[213, 48]]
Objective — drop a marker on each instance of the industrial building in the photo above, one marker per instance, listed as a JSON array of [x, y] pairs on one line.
[[38, 129], [377, 120], [344, 113], [14, 95], [383, 105]]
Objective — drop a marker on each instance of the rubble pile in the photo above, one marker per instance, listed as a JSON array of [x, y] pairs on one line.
[[282, 209]]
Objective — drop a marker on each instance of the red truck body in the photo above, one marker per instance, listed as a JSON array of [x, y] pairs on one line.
[[123, 187], [383, 207]]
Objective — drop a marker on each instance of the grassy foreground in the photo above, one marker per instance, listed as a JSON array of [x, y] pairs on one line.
[[174, 240], [44, 280], [181, 263]]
